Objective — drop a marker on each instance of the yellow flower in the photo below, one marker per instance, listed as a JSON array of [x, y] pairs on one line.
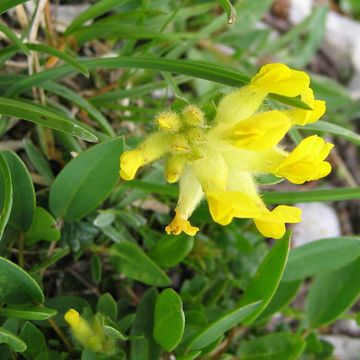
[[90, 335], [220, 159], [303, 117], [306, 161]]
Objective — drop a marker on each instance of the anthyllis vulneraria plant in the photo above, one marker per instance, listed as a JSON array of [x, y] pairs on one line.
[[89, 334], [221, 160]]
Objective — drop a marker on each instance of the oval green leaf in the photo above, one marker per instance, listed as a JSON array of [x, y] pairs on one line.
[[44, 116], [170, 250], [27, 312], [169, 320], [23, 206], [16, 285], [266, 280], [321, 256], [14, 342], [279, 346], [86, 181], [7, 198], [220, 326], [332, 294], [130, 260], [43, 228]]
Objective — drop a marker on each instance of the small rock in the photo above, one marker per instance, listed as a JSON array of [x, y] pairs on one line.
[[345, 348], [319, 221]]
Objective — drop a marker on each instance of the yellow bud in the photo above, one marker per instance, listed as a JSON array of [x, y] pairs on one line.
[[193, 116], [174, 167], [168, 121], [72, 317], [180, 144], [130, 162]]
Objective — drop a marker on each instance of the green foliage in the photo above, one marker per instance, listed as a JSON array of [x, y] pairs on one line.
[[75, 236]]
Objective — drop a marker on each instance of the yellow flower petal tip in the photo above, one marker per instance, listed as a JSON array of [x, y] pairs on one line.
[[261, 131], [280, 79], [303, 117], [168, 121], [306, 161], [272, 223], [130, 162], [179, 225], [72, 317]]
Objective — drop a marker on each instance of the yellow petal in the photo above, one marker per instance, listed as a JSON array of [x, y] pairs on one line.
[[305, 162], [130, 162], [179, 225], [224, 205], [154, 146], [280, 79], [272, 223], [303, 117], [261, 131], [239, 105], [174, 167]]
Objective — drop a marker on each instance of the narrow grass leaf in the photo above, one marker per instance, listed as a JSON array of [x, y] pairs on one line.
[[222, 325], [13, 37], [267, 278], [44, 116]]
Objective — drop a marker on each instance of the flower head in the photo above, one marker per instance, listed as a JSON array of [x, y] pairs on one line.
[[220, 159], [88, 334]]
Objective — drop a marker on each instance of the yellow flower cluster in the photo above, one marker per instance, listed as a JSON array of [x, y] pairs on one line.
[[221, 159], [90, 335]]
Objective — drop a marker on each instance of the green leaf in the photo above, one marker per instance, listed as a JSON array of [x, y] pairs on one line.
[[43, 228], [34, 339], [197, 69], [229, 9], [266, 280], [94, 11], [5, 5], [114, 333], [17, 286], [170, 250], [7, 193], [223, 324], [276, 346], [96, 268], [44, 116], [27, 312], [60, 55], [285, 293], [334, 129], [169, 320], [130, 259], [23, 206], [14, 342], [39, 161], [13, 37], [107, 306], [86, 181], [321, 256], [332, 294], [146, 348], [291, 197]]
